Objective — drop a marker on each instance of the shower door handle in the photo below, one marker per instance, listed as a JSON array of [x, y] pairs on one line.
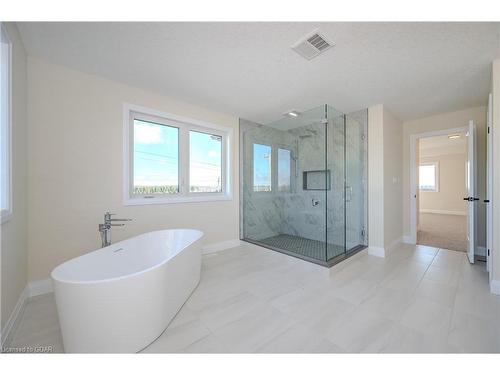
[[314, 202]]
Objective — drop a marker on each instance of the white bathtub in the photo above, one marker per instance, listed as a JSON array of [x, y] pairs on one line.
[[122, 297]]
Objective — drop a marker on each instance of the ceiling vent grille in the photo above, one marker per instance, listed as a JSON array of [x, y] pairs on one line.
[[312, 45]]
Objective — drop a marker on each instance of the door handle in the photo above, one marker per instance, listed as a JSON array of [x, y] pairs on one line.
[[471, 199]]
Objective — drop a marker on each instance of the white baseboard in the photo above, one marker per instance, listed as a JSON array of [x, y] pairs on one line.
[[444, 212], [376, 251], [32, 289], [495, 287], [14, 318], [393, 245], [408, 240], [39, 287], [384, 251], [219, 246]]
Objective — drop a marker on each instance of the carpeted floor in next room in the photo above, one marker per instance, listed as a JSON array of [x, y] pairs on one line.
[[443, 231]]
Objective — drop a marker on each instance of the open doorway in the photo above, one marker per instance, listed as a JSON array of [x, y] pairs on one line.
[[442, 185]]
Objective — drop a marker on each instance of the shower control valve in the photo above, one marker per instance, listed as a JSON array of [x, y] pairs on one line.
[[314, 202]]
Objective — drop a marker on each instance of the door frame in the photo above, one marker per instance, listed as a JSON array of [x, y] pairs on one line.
[[489, 184], [414, 170]]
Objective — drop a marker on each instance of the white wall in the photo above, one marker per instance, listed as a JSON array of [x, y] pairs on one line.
[[449, 197], [393, 169], [376, 177], [14, 232], [442, 121], [75, 167], [384, 178]]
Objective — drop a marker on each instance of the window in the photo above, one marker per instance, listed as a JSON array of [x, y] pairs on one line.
[[284, 172], [156, 158], [262, 160], [428, 177], [205, 162], [171, 159], [5, 124]]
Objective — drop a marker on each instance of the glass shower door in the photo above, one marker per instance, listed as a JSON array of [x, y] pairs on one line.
[[335, 160], [303, 184], [284, 183], [356, 179]]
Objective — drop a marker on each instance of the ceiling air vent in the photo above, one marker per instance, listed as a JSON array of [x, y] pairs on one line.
[[312, 45]]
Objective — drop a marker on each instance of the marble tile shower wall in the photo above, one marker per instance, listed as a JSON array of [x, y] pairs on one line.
[[269, 214], [301, 217], [263, 214]]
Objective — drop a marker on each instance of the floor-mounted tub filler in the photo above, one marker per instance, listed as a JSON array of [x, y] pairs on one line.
[[122, 297]]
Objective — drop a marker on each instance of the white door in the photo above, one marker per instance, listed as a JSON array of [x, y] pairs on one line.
[[489, 184], [471, 191]]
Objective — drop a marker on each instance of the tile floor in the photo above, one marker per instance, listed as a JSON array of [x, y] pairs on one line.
[[250, 299]]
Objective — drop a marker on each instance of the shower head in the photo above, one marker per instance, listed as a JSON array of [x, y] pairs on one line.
[[311, 133]]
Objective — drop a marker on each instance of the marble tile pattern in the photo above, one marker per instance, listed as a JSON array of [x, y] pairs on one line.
[[417, 300], [262, 212], [268, 214]]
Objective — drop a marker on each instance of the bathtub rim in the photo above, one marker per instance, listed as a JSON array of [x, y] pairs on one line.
[[200, 234]]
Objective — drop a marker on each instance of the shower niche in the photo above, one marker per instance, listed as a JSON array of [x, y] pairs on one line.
[[303, 184], [316, 180]]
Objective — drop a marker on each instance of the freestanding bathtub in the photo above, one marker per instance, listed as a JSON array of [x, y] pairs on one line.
[[122, 297]]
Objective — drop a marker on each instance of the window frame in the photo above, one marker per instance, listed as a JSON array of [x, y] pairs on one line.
[[284, 148], [272, 185], [223, 159], [6, 214], [436, 176], [185, 125]]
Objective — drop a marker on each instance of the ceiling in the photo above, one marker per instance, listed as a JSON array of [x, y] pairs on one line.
[[442, 145], [249, 70]]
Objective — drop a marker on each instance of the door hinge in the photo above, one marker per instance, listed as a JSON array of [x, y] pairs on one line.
[[488, 252]]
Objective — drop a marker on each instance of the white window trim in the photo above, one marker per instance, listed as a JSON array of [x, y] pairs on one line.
[[436, 175], [285, 148], [274, 168], [272, 185], [6, 215], [184, 124]]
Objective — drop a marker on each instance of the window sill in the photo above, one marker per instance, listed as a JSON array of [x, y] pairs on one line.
[[182, 199]]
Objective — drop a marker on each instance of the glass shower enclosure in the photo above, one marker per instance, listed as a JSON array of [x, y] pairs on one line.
[[303, 184]]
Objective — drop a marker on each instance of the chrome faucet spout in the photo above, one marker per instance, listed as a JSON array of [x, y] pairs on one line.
[[105, 228]]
